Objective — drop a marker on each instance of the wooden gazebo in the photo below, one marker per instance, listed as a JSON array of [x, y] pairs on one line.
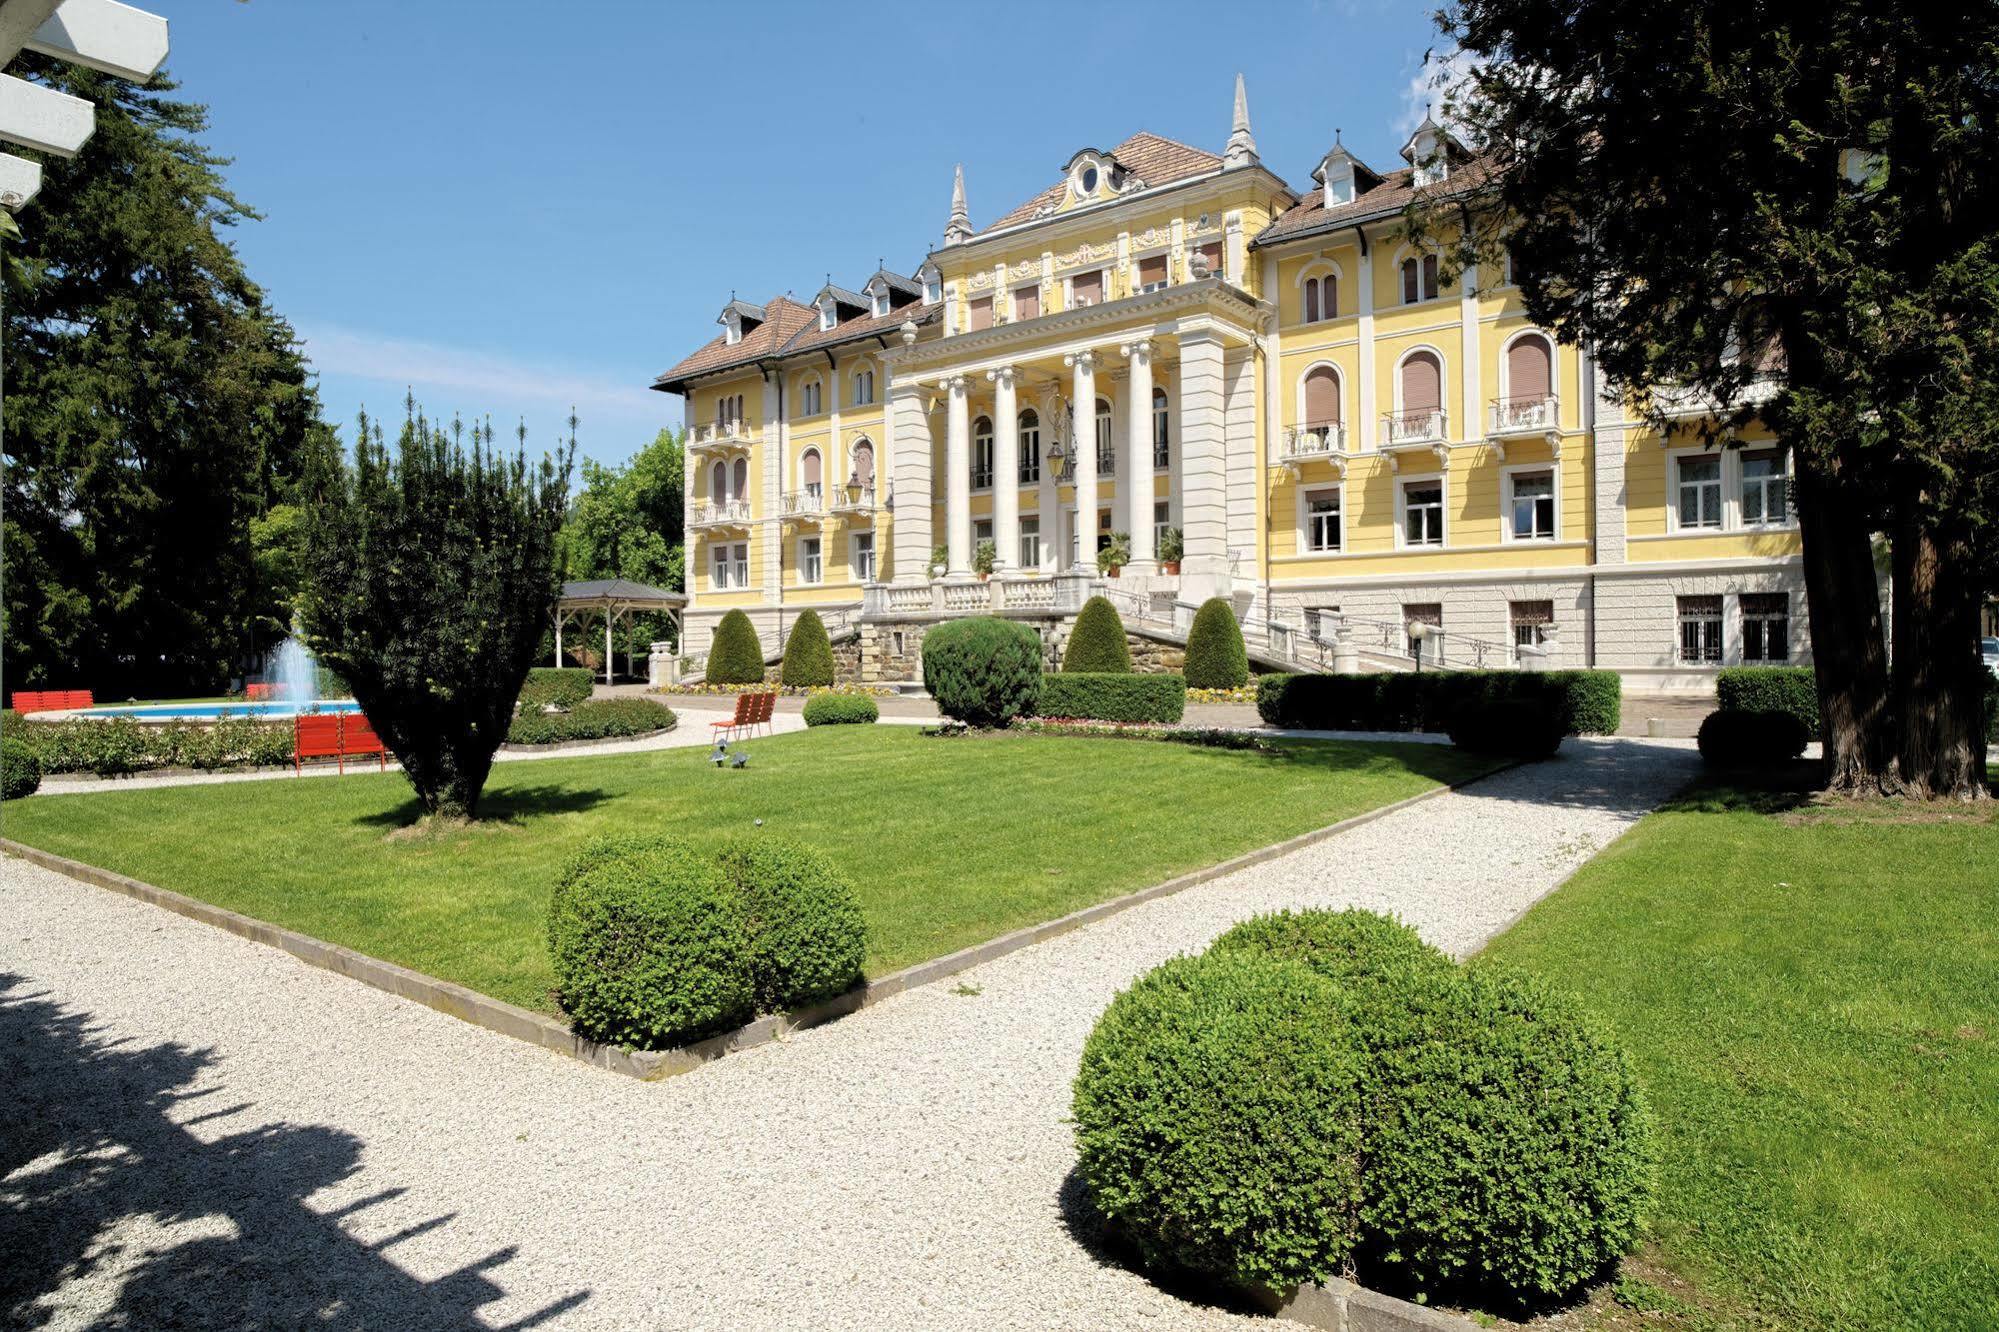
[[611, 598]]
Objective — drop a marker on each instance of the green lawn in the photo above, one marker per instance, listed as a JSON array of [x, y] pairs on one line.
[[948, 841], [1813, 1000]]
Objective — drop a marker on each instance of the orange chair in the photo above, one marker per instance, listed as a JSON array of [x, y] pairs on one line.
[[744, 720], [765, 708]]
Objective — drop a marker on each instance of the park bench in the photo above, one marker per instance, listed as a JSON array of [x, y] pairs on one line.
[[339, 736], [51, 700], [752, 711]]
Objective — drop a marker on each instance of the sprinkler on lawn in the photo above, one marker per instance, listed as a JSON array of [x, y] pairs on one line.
[[721, 754], [740, 759]]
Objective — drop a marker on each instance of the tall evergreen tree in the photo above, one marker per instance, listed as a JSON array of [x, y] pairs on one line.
[[1713, 192], [155, 406]]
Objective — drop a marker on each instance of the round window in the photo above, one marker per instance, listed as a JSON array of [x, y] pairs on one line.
[[1088, 180]]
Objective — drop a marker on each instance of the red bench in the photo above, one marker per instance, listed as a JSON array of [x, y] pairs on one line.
[[51, 700], [335, 735], [262, 693], [752, 711]]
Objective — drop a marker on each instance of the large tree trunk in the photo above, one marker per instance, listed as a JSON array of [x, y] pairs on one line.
[[1848, 644], [1940, 684]]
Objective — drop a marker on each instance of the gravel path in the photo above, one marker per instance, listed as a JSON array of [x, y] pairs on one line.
[[215, 1135]]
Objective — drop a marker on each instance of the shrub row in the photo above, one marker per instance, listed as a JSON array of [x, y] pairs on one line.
[[1522, 728], [1114, 698], [598, 719], [20, 770], [1323, 1091], [982, 670], [114, 746], [1792, 689], [556, 687], [1741, 738], [1586, 702], [841, 710], [655, 944]]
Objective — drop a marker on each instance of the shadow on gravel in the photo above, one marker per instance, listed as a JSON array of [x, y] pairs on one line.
[[1605, 773], [1088, 1228], [92, 1167]]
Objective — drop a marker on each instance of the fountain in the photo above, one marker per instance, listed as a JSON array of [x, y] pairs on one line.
[[294, 675]]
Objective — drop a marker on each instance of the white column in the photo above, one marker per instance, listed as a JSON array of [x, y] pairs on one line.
[[1006, 468], [909, 463], [1138, 455], [1203, 467], [958, 478], [1083, 396]]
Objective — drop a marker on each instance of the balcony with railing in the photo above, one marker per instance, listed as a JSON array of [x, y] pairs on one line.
[[806, 502], [856, 497], [1314, 441], [719, 513], [1524, 418], [721, 435], [1418, 429], [1684, 400]]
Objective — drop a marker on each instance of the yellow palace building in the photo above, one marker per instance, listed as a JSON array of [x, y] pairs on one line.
[[1173, 352]]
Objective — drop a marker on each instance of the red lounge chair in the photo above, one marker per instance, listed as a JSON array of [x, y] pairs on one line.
[[766, 705], [744, 720]]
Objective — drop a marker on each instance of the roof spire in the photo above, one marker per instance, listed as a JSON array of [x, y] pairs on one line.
[[1241, 150], [959, 229]]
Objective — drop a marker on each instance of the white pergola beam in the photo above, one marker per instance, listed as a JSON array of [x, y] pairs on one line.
[[18, 21], [20, 181], [38, 117], [104, 35]]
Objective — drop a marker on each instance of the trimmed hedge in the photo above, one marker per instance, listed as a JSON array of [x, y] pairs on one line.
[[808, 654], [1792, 689], [649, 943], [115, 746], [983, 671], [598, 719], [807, 936], [1216, 657], [1587, 702], [556, 687], [1522, 728], [1496, 1143], [20, 770], [840, 710], [1115, 698], [1736, 738], [736, 656], [1097, 644], [1217, 1124]]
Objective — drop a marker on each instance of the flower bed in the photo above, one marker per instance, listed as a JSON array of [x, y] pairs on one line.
[[788, 691]]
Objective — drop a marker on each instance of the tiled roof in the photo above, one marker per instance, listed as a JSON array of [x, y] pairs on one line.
[[849, 330], [1154, 160], [784, 318], [898, 283], [1310, 215]]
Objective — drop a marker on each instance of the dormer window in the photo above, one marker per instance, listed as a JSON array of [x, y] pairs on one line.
[[828, 316], [1431, 170], [880, 296], [1339, 189], [933, 285], [1086, 179], [1429, 153], [732, 329]]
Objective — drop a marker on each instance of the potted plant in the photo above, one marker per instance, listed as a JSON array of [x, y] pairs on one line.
[[1171, 547], [1115, 554], [984, 556]]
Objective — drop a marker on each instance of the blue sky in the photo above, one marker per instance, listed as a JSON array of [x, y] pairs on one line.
[[513, 207]]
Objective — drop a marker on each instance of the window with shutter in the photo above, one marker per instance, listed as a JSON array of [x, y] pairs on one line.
[[1529, 369], [1322, 397], [1088, 287], [1422, 384], [981, 313], [1027, 303], [1152, 272]]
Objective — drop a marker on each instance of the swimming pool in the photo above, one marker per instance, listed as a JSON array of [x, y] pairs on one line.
[[211, 711]]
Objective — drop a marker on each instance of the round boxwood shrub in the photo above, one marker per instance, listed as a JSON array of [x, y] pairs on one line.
[[1097, 644], [1358, 950], [807, 935], [1522, 728], [982, 671], [1216, 1124], [808, 654], [1739, 738], [1509, 1149], [20, 770], [736, 656], [648, 943], [840, 710], [1216, 658]]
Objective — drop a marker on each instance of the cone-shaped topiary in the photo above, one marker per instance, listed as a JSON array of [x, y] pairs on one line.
[[1216, 658], [737, 655], [808, 653], [1096, 644]]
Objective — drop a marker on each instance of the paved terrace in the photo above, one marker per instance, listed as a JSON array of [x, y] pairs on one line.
[[206, 1132]]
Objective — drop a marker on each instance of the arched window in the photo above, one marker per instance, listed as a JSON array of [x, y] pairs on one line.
[[864, 388], [718, 483], [810, 399], [1530, 370], [1419, 279], [863, 473], [741, 488], [1322, 398], [982, 453], [1162, 439], [1030, 448], [1322, 298], [1421, 383], [1106, 450], [809, 473]]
